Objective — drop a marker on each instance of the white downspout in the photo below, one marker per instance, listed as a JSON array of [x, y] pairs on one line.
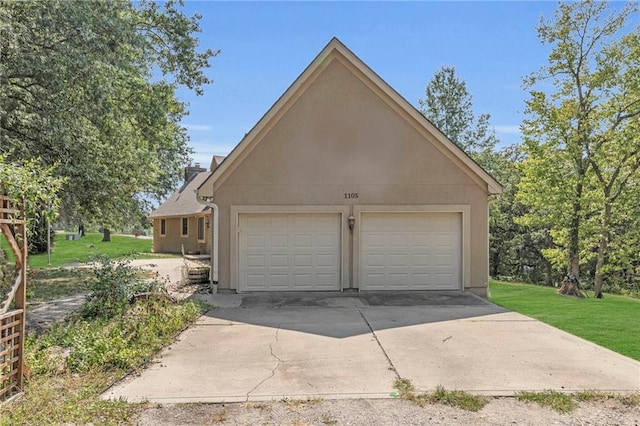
[[214, 241]]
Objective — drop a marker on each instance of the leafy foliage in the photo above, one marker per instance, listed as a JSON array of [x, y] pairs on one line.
[[582, 151], [515, 251], [448, 105], [31, 185], [81, 88], [125, 341], [114, 287]]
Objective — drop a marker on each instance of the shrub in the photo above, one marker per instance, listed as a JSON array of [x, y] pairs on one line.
[[115, 285], [122, 342]]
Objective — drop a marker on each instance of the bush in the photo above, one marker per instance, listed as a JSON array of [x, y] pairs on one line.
[[114, 287], [121, 342]]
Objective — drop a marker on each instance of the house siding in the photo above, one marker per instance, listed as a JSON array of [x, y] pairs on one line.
[[344, 136], [173, 241]]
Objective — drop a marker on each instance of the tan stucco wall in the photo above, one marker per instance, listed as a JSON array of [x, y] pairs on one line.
[[341, 137], [172, 242]]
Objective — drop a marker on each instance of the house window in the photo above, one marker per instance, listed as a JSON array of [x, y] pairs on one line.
[[163, 227], [201, 229], [185, 227]]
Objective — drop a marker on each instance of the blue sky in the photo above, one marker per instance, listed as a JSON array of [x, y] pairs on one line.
[[266, 45]]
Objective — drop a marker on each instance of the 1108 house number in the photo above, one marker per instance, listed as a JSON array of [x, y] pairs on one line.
[[350, 195]]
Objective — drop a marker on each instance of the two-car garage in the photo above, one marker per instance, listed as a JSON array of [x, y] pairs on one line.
[[390, 251]]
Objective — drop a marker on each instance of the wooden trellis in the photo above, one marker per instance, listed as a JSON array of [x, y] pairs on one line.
[[13, 307]]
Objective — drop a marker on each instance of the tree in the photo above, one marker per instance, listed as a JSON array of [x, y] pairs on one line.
[[581, 140], [516, 250], [32, 185], [448, 105], [90, 85]]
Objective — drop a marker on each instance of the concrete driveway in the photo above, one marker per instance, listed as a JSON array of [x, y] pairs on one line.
[[330, 345]]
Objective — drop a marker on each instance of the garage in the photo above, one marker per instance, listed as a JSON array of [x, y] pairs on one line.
[[411, 251], [289, 251]]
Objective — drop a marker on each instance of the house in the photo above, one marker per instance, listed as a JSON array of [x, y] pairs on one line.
[[344, 185], [181, 221]]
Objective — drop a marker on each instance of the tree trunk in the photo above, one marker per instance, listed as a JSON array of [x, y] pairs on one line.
[[602, 251], [574, 235], [495, 264], [81, 230], [106, 235], [548, 272]]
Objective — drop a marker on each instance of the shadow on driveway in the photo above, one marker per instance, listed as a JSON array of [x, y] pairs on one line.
[[356, 345], [341, 315]]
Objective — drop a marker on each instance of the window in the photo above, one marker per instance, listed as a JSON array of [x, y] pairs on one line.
[[201, 229], [185, 227], [163, 227]]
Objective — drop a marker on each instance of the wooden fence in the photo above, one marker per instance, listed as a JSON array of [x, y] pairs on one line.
[[13, 307]]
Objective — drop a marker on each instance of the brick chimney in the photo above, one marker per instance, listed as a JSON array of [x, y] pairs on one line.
[[191, 171]]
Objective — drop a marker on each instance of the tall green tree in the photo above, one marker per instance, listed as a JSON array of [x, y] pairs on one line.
[[90, 85], [581, 137], [30, 185], [449, 106], [516, 250]]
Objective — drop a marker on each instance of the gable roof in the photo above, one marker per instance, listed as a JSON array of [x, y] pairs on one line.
[[336, 50], [184, 201], [216, 160]]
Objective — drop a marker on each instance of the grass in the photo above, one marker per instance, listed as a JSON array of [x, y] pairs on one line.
[[71, 251], [458, 399], [56, 283], [558, 401], [609, 322], [80, 251]]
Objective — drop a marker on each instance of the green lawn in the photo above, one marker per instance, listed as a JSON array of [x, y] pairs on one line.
[[611, 322], [66, 251]]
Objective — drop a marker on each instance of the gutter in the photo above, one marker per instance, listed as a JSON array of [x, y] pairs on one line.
[[208, 201]]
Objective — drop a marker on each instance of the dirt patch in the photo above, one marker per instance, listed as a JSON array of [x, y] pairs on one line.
[[499, 411]]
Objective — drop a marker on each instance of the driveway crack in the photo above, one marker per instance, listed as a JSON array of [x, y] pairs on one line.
[[375, 336], [273, 370]]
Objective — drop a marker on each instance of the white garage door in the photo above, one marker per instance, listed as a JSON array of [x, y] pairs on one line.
[[410, 251], [289, 251]]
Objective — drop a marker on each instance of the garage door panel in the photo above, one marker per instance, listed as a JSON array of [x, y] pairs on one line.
[[421, 240], [410, 251], [289, 251], [279, 261], [327, 241], [302, 260], [374, 240], [278, 241], [255, 261], [373, 260], [302, 280], [423, 259], [398, 240], [398, 279], [326, 260], [399, 260], [255, 241], [255, 281]]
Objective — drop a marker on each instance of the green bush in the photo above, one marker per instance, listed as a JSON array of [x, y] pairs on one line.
[[123, 342], [114, 287]]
